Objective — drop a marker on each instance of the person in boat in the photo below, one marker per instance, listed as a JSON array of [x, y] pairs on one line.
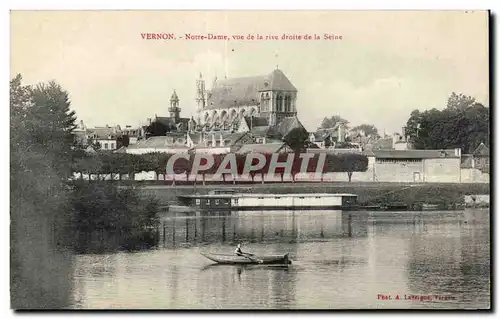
[[238, 251]]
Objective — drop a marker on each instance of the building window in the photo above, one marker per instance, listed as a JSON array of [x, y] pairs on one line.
[[216, 202], [197, 201], [105, 146], [279, 103], [398, 160]]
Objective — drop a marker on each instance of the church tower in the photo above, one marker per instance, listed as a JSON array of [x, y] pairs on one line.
[[200, 96], [174, 108]]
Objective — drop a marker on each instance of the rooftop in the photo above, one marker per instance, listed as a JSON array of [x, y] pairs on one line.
[[244, 91]]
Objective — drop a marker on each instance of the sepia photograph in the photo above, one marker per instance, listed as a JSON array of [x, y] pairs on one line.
[[250, 160]]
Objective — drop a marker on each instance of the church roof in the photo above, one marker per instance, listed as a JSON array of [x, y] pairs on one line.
[[244, 91], [255, 121], [287, 125], [170, 121]]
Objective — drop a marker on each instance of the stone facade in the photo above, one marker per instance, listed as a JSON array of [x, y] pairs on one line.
[[271, 96]]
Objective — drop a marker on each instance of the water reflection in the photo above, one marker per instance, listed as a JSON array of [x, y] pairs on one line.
[[340, 260], [258, 227]]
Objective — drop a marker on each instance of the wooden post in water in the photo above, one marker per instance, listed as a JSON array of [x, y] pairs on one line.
[[349, 226], [223, 229], [173, 233], [164, 234]]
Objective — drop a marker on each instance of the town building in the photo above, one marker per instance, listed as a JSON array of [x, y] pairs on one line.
[[403, 166], [133, 134], [106, 137], [270, 96], [171, 144], [163, 125]]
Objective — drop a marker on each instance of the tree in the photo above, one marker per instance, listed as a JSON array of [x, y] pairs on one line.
[[157, 129], [297, 139], [330, 122], [123, 140], [53, 124], [368, 129], [350, 163], [460, 102], [94, 144], [460, 125], [41, 151]]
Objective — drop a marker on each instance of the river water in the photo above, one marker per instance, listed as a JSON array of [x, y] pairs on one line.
[[341, 260]]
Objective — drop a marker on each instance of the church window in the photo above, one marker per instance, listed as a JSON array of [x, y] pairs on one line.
[[279, 103]]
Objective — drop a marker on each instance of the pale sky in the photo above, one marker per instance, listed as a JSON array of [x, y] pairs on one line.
[[387, 64]]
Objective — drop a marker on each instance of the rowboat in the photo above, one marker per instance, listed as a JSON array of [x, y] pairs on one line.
[[254, 259]]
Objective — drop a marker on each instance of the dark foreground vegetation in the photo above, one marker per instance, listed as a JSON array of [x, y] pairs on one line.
[[50, 218], [106, 218]]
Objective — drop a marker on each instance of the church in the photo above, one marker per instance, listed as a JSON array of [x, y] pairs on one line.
[[271, 97]]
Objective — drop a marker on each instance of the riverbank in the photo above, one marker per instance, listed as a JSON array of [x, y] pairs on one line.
[[379, 194]]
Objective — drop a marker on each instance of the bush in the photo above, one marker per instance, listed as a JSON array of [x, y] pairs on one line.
[[105, 217]]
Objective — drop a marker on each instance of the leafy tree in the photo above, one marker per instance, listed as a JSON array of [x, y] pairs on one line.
[[350, 163], [123, 140], [330, 122], [40, 163], [368, 129], [94, 144], [328, 142], [297, 139], [157, 129], [55, 123], [463, 124], [460, 102]]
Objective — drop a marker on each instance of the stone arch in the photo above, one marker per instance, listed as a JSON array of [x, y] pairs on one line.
[[243, 113], [287, 102], [215, 117], [279, 102], [233, 114], [223, 116]]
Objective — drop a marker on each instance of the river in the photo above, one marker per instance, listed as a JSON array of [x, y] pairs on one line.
[[341, 260]]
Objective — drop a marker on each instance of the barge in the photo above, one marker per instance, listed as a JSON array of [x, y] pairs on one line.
[[229, 200]]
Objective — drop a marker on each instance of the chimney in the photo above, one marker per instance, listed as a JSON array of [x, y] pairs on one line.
[[149, 121], [82, 126], [458, 152]]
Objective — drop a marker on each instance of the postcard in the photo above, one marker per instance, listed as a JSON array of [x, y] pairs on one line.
[[245, 160]]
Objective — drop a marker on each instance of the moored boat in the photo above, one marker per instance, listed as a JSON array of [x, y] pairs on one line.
[[253, 259]]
